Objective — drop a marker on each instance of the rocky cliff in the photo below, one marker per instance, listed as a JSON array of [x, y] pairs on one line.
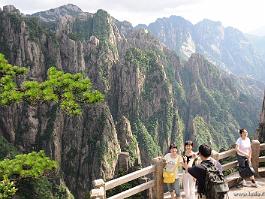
[[261, 130], [152, 98]]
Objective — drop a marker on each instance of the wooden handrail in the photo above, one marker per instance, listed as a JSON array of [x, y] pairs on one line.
[[262, 146], [226, 154], [157, 184], [262, 159], [230, 165], [129, 177], [134, 190]]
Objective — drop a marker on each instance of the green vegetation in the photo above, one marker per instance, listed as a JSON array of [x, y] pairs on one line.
[[7, 188], [42, 188], [138, 57], [15, 20], [202, 132], [68, 90], [23, 167], [145, 140], [82, 29], [34, 27], [6, 149], [144, 59], [178, 136], [9, 91], [101, 25], [131, 149], [26, 165]]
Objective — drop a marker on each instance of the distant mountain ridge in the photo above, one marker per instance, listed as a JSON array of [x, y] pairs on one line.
[[226, 47]]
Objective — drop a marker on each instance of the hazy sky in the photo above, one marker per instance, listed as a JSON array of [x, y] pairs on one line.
[[246, 15]]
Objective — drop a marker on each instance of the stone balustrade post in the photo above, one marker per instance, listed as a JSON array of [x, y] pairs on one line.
[[215, 155], [99, 191], [255, 155], [158, 177]]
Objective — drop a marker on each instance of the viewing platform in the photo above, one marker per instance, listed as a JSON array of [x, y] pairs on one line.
[[155, 188]]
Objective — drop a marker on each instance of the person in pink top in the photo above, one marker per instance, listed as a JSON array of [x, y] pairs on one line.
[[244, 152]]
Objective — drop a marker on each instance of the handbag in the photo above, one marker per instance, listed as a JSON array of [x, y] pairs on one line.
[[169, 177]]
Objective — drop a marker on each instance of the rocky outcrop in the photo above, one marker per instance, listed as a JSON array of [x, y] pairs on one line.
[[11, 9], [176, 33], [128, 142], [261, 129]]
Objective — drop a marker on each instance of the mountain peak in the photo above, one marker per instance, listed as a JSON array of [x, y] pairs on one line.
[[56, 13], [71, 7], [179, 18], [172, 19], [210, 22]]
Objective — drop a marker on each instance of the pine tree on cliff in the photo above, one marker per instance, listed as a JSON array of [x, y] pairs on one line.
[[66, 89]]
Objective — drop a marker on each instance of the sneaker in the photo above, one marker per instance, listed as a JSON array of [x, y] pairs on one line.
[[244, 183], [254, 184]]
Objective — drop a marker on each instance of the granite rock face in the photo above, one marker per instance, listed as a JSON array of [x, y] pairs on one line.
[[261, 129]]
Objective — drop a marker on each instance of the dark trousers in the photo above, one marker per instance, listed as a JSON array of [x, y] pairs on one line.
[[245, 170]]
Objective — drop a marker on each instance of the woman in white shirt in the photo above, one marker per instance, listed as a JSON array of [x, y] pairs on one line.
[[244, 152]]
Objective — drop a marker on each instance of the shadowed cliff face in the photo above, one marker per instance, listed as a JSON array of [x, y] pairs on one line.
[[261, 130], [151, 98]]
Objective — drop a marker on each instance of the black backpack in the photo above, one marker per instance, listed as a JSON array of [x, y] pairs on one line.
[[215, 185]]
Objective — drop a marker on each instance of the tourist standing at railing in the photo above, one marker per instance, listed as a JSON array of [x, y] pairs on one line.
[[206, 173], [198, 171], [188, 180], [244, 153], [173, 164]]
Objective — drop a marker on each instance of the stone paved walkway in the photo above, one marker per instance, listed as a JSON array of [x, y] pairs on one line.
[[249, 192], [241, 192]]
